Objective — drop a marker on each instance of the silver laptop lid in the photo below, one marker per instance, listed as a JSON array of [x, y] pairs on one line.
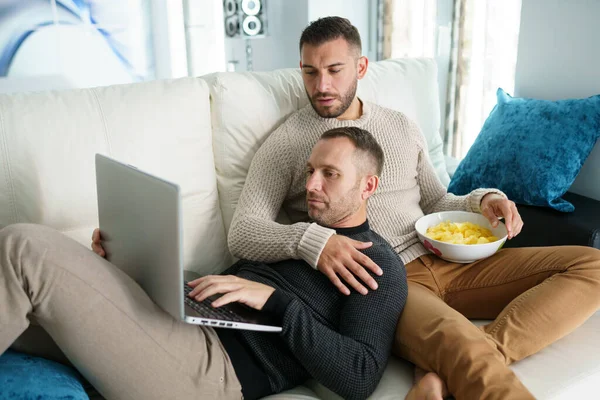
[[141, 223]]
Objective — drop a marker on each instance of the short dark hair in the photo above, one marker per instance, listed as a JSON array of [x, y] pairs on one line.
[[330, 28], [364, 142]]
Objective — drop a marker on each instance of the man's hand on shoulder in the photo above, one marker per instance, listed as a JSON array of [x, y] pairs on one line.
[[494, 206], [233, 289], [341, 258]]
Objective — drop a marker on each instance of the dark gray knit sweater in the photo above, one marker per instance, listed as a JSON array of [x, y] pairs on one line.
[[344, 342]]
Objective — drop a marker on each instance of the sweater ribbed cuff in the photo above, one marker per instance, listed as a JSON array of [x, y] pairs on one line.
[[312, 243], [477, 195]]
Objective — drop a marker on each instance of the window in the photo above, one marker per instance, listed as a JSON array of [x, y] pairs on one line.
[[486, 61], [484, 48], [414, 27]]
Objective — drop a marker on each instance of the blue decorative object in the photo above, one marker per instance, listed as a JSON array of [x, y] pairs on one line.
[[531, 149], [23, 377]]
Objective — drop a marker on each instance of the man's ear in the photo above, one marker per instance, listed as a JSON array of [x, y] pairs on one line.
[[372, 183], [362, 66], [300, 64]]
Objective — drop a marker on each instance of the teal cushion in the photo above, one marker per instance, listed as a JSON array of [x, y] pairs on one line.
[[23, 377], [531, 149]]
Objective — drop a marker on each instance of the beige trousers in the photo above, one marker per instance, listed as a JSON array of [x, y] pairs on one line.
[[105, 324], [534, 296]]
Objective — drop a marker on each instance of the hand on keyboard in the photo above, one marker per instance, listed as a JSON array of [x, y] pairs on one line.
[[233, 289], [206, 310]]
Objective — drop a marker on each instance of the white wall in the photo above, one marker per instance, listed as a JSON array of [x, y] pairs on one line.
[[558, 58], [286, 21], [168, 35], [445, 11], [359, 12], [279, 49], [205, 34]]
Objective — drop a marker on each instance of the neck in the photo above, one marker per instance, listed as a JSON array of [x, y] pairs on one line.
[[353, 112], [352, 220]]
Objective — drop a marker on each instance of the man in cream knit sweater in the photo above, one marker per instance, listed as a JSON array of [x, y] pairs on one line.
[[534, 295]]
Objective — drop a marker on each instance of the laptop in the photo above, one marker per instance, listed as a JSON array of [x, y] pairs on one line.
[[141, 223]]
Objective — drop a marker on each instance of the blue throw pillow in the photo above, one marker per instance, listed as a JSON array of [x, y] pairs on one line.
[[531, 149], [23, 377]]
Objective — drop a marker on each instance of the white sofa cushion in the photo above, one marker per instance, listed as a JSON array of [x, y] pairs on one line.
[[247, 107], [410, 85], [47, 146], [565, 370]]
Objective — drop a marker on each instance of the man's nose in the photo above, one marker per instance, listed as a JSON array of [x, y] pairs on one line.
[[323, 83], [313, 183]]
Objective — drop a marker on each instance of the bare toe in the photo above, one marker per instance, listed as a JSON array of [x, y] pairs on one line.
[[429, 387]]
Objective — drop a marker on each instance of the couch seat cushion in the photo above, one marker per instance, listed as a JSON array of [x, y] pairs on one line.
[[567, 369]]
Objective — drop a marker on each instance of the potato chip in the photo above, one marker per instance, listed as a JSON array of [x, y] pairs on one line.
[[460, 233]]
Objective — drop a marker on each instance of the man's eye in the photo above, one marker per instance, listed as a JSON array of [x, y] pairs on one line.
[[334, 71], [330, 174], [309, 72], [309, 172]]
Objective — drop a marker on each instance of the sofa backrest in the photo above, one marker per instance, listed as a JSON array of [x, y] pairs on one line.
[[247, 107], [48, 141], [47, 146]]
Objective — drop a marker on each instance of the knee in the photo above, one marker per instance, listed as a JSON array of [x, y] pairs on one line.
[[20, 230], [584, 262], [587, 258], [591, 253], [18, 235], [14, 231]]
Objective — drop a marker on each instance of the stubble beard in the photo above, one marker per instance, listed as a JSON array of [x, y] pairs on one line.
[[338, 211], [329, 112]]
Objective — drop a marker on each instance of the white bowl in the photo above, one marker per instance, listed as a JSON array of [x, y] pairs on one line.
[[460, 253]]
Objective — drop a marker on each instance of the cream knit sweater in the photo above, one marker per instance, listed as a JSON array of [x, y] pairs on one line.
[[409, 189]]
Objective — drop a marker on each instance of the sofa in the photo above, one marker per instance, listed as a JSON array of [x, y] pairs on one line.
[[202, 134]]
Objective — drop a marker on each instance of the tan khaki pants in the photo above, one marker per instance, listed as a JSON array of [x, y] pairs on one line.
[[535, 296], [104, 323]]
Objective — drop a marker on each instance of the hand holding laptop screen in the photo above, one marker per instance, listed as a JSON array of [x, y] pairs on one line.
[[97, 243]]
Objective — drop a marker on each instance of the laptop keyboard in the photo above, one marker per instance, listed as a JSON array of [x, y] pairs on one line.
[[206, 310]]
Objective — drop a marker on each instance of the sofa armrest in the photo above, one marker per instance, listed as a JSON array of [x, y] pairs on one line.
[[547, 227]]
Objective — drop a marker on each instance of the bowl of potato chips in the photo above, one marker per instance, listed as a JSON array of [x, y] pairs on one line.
[[460, 236]]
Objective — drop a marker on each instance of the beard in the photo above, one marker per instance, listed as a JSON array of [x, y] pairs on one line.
[[333, 212], [332, 111]]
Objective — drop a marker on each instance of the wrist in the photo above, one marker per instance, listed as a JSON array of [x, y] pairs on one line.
[[277, 304], [268, 294], [475, 198], [313, 242]]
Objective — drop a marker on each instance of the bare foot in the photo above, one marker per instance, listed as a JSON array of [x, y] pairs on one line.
[[429, 387]]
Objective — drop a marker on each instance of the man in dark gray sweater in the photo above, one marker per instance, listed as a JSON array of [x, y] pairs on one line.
[[128, 348]]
